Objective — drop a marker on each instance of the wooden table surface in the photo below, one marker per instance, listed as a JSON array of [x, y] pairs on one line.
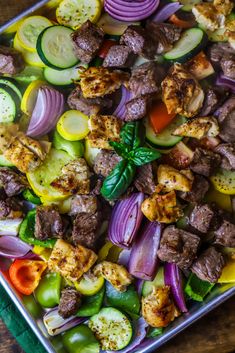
[[213, 334]]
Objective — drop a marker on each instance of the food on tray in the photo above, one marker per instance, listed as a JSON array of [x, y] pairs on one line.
[[117, 165]]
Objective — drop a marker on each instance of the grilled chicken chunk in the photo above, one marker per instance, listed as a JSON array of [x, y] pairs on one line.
[[74, 178], [116, 274], [173, 179], [158, 308], [104, 128], [182, 93], [70, 261], [100, 81], [207, 15], [198, 128]]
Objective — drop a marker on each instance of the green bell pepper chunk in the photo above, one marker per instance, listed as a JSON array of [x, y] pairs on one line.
[[32, 306], [73, 148], [91, 305], [80, 339], [154, 332], [197, 289], [127, 301], [57, 343], [48, 290], [30, 196], [26, 232]]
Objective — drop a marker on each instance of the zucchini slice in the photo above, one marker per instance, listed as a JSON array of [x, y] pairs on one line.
[[224, 181], [10, 82], [63, 77], [165, 138], [73, 13], [190, 44], [55, 47], [9, 104], [112, 328]]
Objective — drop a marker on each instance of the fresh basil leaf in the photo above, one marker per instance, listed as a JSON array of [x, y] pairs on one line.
[[120, 148], [143, 155], [118, 180], [133, 134]]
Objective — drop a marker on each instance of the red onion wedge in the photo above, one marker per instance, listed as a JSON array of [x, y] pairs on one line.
[[165, 12], [129, 11], [143, 259], [173, 278], [13, 248], [48, 108], [120, 111], [55, 324], [140, 328], [10, 226], [225, 81], [125, 220]]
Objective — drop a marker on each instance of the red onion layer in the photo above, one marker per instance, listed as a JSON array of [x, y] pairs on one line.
[[173, 278], [125, 220], [48, 108], [13, 248], [225, 81], [165, 12], [120, 111], [130, 11], [143, 259]]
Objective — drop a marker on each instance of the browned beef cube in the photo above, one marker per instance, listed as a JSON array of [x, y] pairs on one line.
[[197, 193], [10, 208], [12, 182], [70, 302], [178, 246], [138, 40], [138, 108], [213, 98], [88, 106], [208, 266], [201, 217], [205, 162], [87, 41], [144, 180], [227, 151], [11, 61], [119, 56], [146, 79], [83, 204], [164, 35], [225, 234], [226, 118], [228, 65], [105, 161], [86, 229], [49, 223]]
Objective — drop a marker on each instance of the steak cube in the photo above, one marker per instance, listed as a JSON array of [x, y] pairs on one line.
[[87, 41], [11, 61], [119, 56], [201, 218], [137, 108], [178, 246], [197, 193], [205, 162], [70, 302], [225, 234], [208, 266], [86, 229], [49, 223]]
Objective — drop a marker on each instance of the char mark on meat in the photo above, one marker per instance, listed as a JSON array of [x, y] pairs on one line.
[[144, 181], [87, 41], [201, 218], [225, 234], [70, 302], [12, 182], [178, 246], [49, 223], [208, 266]]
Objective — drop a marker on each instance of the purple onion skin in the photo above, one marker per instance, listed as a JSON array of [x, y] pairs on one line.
[[173, 278], [225, 81], [125, 220], [165, 12], [143, 259], [13, 248]]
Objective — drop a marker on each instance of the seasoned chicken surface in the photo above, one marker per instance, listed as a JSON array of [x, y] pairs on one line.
[[25, 153], [174, 179], [181, 92], [7, 131], [74, 178], [162, 208], [207, 15], [116, 274], [104, 128], [158, 308], [70, 261], [198, 128], [224, 6], [100, 81]]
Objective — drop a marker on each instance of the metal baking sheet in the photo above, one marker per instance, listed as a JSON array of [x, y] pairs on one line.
[[197, 310]]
